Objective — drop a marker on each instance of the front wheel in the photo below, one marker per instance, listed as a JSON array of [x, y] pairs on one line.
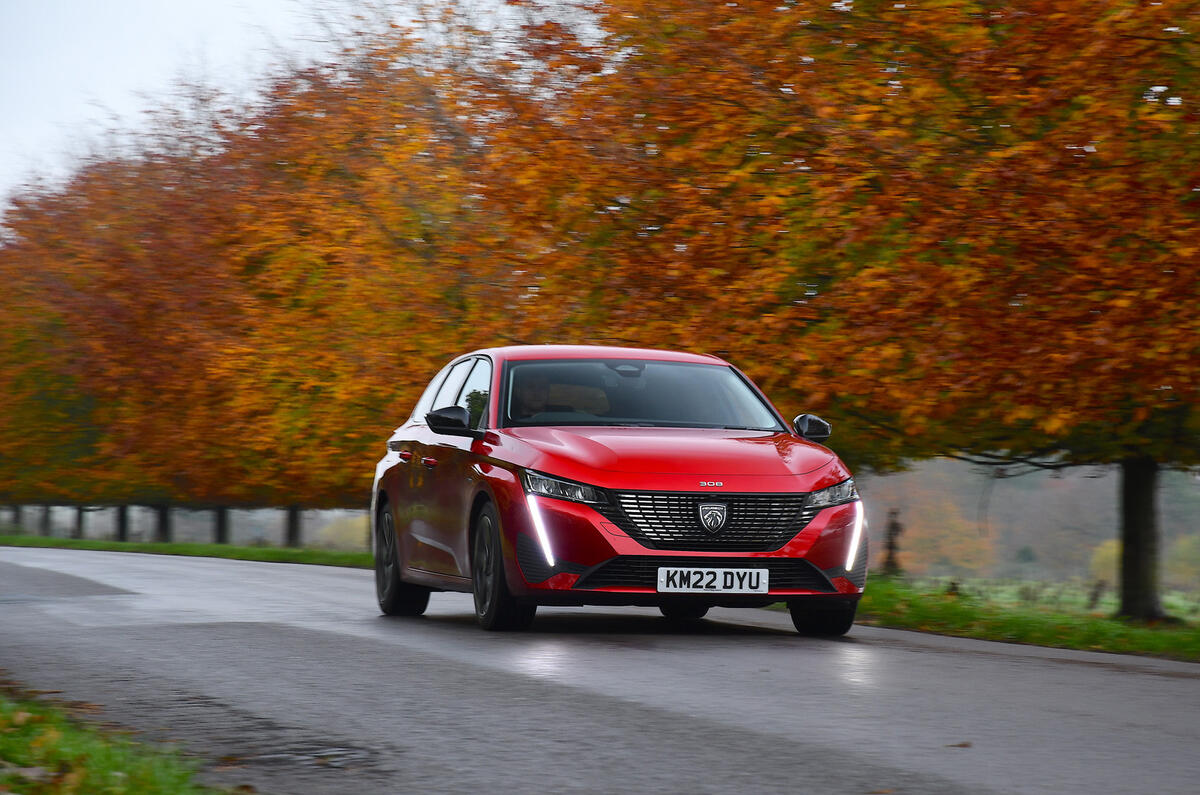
[[396, 597], [495, 607], [823, 617]]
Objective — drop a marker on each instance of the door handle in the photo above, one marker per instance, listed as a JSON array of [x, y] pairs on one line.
[[429, 462], [406, 456]]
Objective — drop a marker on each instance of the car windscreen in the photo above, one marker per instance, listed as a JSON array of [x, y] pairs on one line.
[[625, 392]]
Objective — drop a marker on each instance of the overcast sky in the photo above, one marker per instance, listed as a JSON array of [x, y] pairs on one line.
[[68, 66]]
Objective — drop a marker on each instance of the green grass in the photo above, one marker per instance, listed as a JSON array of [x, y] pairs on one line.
[[896, 603], [1072, 595], [42, 750], [323, 557]]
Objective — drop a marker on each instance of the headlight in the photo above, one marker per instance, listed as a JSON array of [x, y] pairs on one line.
[[834, 495], [547, 486]]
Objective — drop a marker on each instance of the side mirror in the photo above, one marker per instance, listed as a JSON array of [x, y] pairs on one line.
[[812, 427], [452, 421]]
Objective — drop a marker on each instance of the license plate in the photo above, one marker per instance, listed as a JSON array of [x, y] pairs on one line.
[[673, 579]]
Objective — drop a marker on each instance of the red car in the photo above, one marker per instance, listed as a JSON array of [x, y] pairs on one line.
[[580, 475]]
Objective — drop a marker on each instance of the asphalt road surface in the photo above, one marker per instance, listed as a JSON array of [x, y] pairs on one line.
[[285, 678]]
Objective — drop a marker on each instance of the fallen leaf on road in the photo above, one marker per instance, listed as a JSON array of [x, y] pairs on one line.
[[959, 745]]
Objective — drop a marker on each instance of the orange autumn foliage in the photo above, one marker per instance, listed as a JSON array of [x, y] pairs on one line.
[[949, 225]]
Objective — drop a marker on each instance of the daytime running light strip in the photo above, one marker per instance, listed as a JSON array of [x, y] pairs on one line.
[[859, 519], [539, 527]]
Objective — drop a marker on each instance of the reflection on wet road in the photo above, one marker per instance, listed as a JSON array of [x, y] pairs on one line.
[[289, 672]]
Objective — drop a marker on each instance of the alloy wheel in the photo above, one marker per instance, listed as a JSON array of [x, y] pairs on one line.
[[484, 565], [385, 553]]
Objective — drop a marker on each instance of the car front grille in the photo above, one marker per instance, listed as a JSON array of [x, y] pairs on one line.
[[671, 520], [641, 571]]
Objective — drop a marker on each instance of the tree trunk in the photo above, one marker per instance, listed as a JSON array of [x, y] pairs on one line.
[[46, 520], [77, 530], [17, 519], [221, 525], [1139, 540], [122, 522], [162, 528], [292, 529]]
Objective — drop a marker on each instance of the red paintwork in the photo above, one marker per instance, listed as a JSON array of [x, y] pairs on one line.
[[679, 455], [434, 504]]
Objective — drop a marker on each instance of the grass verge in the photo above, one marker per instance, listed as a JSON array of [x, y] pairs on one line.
[[895, 603], [323, 557], [43, 750]]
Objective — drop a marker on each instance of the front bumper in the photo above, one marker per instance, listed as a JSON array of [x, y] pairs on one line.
[[596, 562]]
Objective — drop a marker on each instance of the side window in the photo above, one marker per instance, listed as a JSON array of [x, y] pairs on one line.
[[425, 404], [454, 381], [474, 395]]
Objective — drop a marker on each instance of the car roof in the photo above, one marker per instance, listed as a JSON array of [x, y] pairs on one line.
[[526, 352]]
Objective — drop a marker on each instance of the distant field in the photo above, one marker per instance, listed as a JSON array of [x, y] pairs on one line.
[[1041, 614], [1067, 596]]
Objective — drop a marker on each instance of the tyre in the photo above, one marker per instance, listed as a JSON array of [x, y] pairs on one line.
[[827, 618], [396, 597], [683, 612], [495, 607]]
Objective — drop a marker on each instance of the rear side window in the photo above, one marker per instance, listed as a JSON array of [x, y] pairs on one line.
[[454, 381], [425, 404], [475, 392]]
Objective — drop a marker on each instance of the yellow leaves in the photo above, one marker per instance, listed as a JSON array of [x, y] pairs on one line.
[[1019, 414], [46, 738], [925, 197], [1057, 422], [1015, 150]]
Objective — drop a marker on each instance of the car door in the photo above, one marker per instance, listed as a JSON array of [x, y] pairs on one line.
[[399, 479], [454, 484], [416, 513]]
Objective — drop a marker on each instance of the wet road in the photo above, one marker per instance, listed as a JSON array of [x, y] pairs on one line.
[[284, 678]]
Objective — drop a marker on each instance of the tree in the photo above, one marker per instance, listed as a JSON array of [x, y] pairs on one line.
[[969, 225], [236, 307], [1059, 327]]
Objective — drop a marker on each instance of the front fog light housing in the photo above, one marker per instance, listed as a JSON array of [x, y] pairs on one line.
[[834, 495]]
